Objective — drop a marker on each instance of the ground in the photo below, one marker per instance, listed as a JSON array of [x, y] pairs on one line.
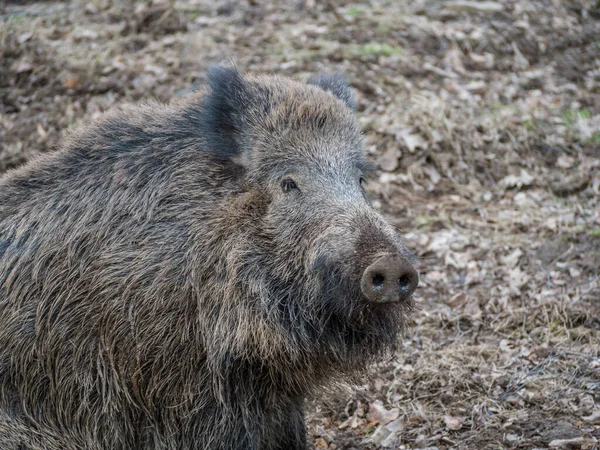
[[484, 119]]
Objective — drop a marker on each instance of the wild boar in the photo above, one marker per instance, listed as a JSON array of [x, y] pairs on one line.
[[184, 276]]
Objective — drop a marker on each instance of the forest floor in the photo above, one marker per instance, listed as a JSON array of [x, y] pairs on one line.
[[484, 119]]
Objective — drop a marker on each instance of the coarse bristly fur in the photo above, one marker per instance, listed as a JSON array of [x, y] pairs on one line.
[[183, 276]]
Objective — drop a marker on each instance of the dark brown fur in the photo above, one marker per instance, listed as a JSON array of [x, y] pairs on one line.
[[159, 290]]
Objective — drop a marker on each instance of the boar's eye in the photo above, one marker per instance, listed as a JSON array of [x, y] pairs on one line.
[[363, 182], [287, 185]]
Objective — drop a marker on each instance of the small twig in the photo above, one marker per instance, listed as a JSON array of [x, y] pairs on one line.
[[515, 386]]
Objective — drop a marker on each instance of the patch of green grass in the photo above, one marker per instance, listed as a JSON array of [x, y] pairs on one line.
[[374, 49], [425, 221], [353, 11], [570, 116], [594, 138], [530, 124], [556, 328], [497, 109], [384, 29], [19, 17], [304, 54], [595, 232], [368, 431], [193, 14]]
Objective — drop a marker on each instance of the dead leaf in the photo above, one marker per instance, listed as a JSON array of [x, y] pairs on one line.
[[470, 6], [578, 442], [378, 413], [71, 81], [521, 63], [515, 400], [565, 161], [512, 437], [458, 300], [395, 425], [433, 174], [453, 423], [321, 443], [41, 132], [486, 60], [571, 184], [420, 441], [85, 34], [585, 404], [379, 435], [414, 419], [478, 87], [518, 181], [453, 59], [473, 310], [517, 279], [505, 345], [357, 419], [346, 423], [411, 140], [22, 66], [593, 418], [385, 435], [24, 37], [512, 259], [468, 305], [388, 160]]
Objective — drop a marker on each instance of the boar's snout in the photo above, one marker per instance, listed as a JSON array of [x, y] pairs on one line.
[[391, 278]]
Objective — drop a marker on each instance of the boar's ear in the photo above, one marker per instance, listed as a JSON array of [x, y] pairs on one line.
[[337, 85], [223, 112]]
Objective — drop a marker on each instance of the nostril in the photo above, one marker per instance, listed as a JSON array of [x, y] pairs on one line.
[[408, 281], [405, 282], [378, 280]]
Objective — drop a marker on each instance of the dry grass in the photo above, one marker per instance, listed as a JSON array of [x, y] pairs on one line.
[[485, 120]]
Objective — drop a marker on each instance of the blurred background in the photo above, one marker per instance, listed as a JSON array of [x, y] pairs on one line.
[[484, 120]]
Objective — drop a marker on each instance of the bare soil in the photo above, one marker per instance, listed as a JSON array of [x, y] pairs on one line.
[[484, 118]]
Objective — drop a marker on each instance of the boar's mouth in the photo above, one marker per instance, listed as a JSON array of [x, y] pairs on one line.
[[329, 313], [347, 315], [367, 329]]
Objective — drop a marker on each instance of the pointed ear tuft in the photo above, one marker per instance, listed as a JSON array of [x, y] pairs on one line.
[[337, 85], [223, 111]]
